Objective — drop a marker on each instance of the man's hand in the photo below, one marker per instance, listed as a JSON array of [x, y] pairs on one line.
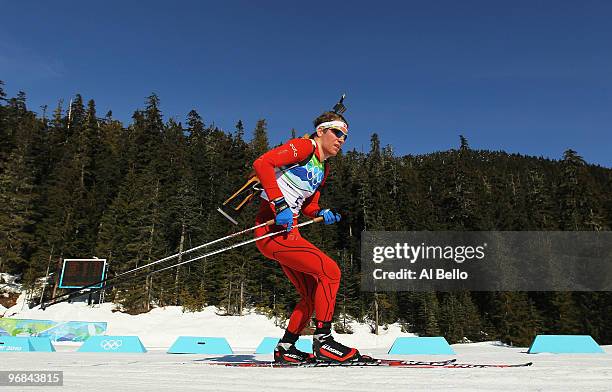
[[284, 216], [329, 216]]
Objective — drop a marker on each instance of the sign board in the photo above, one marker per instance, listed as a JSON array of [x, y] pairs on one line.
[[78, 273]]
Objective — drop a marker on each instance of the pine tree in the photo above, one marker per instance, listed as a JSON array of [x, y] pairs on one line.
[[5, 136], [516, 318], [18, 104], [128, 236], [567, 320], [260, 138], [195, 126], [239, 131], [76, 113], [464, 143], [2, 93], [145, 135], [426, 314], [579, 209], [17, 185], [459, 319], [539, 202]]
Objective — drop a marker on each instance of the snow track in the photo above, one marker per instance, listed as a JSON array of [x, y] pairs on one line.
[[156, 371]]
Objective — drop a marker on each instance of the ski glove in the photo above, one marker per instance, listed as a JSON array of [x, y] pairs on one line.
[[329, 216], [284, 216]]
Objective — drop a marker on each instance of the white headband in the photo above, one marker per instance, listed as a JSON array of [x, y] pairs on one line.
[[334, 124]]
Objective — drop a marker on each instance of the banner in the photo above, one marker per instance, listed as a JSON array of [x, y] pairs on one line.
[[57, 331]]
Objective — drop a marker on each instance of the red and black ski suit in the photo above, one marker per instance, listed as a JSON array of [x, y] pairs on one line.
[[294, 171]]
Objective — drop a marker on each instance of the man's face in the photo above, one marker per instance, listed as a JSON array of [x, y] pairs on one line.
[[331, 141]]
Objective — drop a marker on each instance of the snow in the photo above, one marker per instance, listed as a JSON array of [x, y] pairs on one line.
[[8, 283], [160, 327], [157, 371]]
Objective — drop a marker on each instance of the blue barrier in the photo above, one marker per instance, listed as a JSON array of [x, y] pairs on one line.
[[565, 344], [421, 345], [112, 344], [15, 344], [200, 345], [267, 345], [42, 344]]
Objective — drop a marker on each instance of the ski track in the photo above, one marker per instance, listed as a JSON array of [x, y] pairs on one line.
[[157, 370]]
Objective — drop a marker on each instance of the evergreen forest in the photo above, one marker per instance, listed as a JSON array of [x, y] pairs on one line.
[[75, 183]]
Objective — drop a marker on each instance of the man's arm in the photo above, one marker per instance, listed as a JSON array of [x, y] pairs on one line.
[[294, 151], [311, 208]]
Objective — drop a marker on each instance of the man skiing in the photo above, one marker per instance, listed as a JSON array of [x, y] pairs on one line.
[[291, 176]]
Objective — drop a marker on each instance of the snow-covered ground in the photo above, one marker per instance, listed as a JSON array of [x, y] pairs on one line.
[[160, 327], [8, 283], [156, 370]]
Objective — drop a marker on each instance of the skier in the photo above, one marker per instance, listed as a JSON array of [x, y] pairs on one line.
[[292, 176]]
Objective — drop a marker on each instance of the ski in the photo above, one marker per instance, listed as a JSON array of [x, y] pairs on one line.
[[403, 362], [398, 363], [406, 364], [366, 362], [482, 366]]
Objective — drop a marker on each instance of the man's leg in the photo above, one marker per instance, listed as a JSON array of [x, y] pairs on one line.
[[306, 286], [302, 257], [286, 350], [291, 250], [299, 255]]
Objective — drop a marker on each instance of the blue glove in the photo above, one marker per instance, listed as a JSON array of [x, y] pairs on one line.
[[329, 216], [284, 216]]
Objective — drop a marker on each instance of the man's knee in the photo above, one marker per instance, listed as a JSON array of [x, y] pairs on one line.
[[332, 271]]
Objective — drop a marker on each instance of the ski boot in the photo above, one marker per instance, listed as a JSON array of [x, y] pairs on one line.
[[288, 353], [327, 349]]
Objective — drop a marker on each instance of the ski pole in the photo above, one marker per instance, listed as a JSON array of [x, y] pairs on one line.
[[71, 294], [315, 220]]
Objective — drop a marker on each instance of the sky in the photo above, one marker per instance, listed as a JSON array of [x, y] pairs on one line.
[[529, 77]]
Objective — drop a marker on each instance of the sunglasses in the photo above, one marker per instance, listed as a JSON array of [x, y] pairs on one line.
[[339, 133]]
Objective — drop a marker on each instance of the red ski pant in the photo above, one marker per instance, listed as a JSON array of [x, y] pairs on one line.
[[314, 274]]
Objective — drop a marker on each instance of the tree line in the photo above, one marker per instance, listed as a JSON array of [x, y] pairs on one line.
[[74, 184]]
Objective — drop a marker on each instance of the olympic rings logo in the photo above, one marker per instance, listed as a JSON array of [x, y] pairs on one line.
[[111, 344], [314, 174]]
